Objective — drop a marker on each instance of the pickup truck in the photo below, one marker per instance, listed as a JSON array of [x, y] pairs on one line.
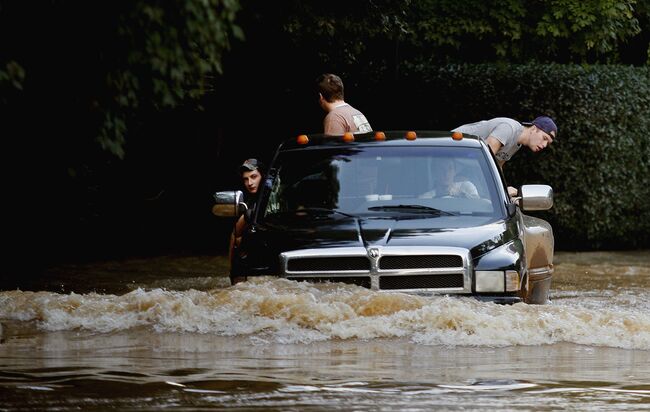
[[419, 212]]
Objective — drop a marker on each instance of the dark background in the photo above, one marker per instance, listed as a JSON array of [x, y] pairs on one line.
[[68, 200]]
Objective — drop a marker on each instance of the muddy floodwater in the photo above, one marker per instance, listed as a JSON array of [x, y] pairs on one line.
[[171, 333]]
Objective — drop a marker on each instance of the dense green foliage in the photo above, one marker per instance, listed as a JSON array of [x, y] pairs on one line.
[[468, 31], [599, 166], [171, 51]]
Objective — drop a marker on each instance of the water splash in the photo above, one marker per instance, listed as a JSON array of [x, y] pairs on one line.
[[269, 309]]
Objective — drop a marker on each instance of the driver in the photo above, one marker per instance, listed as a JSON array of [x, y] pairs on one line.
[[448, 183]]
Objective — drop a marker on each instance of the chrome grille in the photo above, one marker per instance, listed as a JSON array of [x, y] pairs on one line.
[[408, 269], [328, 264], [420, 262]]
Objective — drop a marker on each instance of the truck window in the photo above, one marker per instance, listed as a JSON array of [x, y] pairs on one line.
[[353, 180]]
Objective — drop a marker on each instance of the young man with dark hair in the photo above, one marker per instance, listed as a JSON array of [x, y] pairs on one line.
[[505, 136], [252, 174], [341, 117]]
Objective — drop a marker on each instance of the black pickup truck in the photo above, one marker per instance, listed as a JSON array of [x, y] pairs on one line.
[[397, 211]]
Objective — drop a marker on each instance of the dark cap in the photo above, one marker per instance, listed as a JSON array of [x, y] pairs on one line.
[[249, 165], [545, 124]]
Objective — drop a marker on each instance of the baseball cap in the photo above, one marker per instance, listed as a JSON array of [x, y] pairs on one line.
[[249, 165], [544, 123]]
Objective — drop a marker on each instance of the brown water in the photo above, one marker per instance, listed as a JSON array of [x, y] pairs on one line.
[[170, 333]]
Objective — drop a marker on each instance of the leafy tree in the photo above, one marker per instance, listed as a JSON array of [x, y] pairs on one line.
[[12, 76], [637, 50], [468, 31], [108, 61]]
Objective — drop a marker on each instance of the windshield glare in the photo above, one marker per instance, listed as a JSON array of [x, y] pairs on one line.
[[360, 180]]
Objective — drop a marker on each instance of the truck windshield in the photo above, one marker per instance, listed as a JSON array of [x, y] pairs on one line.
[[361, 181]]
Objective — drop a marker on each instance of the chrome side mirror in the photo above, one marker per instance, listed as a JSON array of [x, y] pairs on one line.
[[229, 203], [536, 197]]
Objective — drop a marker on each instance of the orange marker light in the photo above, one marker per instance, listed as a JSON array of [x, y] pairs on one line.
[[457, 136], [410, 135], [380, 136], [302, 139], [348, 137]]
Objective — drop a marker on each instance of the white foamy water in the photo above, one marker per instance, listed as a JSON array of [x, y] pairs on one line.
[[268, 309]]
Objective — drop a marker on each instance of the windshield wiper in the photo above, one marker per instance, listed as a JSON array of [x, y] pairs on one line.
[[414, 208], [322, 210]]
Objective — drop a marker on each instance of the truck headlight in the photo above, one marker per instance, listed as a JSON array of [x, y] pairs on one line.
[[497, 281], [489, 281]]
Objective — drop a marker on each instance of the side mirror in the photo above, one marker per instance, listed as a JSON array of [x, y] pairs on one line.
[[229, 203], [536, 197]]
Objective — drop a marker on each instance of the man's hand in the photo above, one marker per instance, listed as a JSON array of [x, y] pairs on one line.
[[512, 192]]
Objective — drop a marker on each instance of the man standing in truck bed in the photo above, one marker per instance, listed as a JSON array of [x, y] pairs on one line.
[[341, 117]]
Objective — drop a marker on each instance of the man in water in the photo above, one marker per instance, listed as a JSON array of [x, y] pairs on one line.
[[252, 173]]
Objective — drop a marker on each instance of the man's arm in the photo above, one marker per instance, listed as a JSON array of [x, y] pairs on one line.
[[495, 145]]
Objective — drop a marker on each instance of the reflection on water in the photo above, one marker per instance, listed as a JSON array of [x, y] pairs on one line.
[[191, 341]]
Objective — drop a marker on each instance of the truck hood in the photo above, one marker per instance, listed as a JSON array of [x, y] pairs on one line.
[[478, 234]]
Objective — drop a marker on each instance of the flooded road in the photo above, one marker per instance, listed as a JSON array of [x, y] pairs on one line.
[[171, 333]]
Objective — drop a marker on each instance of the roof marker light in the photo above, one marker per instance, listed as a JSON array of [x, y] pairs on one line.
[[302, 139], [380, 136], [348, 137], [411, 135], [457, 135]]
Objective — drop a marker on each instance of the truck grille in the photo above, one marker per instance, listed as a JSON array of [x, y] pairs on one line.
[[328, 264], [407, 269], [420, 262], [363, 281]]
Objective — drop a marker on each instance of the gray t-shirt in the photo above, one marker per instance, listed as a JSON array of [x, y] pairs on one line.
[[345, 118], [503, 129]]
